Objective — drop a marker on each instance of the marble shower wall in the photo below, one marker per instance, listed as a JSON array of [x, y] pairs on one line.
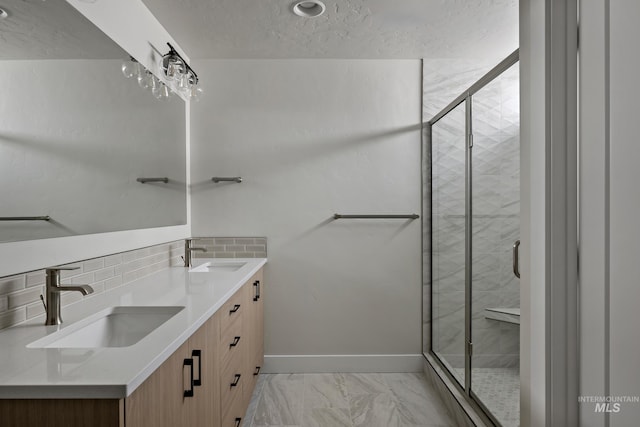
[[495, 222]]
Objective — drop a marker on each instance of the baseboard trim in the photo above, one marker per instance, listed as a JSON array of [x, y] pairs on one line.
[[308, 364]]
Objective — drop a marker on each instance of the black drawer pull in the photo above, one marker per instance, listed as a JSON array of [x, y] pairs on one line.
[[189, 362], [236, 380], [235, 342], [234, 309], [198, 354], [256, 285], [257, 372], [238, 421]]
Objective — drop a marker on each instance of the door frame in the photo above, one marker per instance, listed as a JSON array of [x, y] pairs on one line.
[[549, 220]]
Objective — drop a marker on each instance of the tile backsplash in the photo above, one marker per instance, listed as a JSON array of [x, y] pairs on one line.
[[20, 294], [231, 247]]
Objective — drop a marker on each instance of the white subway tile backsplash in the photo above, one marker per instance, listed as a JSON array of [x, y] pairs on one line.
[[231, 247], [25, 297], [129, 256], [112, 260], [20, 294], [105, 273], [10, 284], [13, 317], [98, 288], [35, 309], [114, 282], [36, 278], [244, 241], [130, 276], [67, 298], [224, 255], [244, 254], [223, 240], [81, 279], [94, 264]]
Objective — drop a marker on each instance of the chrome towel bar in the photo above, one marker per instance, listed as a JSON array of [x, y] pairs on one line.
[[410, 216], [217, 179], [145, 180], [25, 218]]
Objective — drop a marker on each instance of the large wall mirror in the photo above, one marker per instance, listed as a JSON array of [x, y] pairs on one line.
[[76, 135]]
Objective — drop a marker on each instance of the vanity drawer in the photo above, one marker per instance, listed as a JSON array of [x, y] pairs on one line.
[[230, 395], [232, 310], [232, 343], [234, 413]]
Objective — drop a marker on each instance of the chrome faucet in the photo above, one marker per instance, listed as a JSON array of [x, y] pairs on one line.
[[53, 290], [188, 249]]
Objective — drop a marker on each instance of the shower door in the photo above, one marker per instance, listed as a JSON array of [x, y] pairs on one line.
[[495, 226], [448, 138], [474, 168]]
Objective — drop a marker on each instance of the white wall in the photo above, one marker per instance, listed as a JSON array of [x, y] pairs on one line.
[[311, 138], [609, 232]]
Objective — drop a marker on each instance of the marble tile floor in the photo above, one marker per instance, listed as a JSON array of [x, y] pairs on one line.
[[346, 400]]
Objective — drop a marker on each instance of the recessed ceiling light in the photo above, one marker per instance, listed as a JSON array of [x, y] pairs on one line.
[[309, 9], [3, 14]]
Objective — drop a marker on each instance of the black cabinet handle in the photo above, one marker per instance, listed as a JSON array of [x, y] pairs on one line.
[[235, 342], [189, 362], [256, 285], [238, 421], [236, 380], [234, 309], [257, 372], [198, 354]]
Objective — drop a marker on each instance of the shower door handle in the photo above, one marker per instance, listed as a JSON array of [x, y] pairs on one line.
[[516, 258]]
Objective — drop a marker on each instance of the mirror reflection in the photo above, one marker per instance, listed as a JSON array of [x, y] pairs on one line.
[[76, 136]]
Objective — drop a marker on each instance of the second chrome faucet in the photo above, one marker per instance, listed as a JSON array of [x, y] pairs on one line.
[[188, 249]]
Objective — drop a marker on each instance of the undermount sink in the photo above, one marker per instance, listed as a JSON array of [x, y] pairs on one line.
[[114, 327], [224, 266]]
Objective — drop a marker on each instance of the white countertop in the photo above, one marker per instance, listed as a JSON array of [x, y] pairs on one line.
[[27, 373]]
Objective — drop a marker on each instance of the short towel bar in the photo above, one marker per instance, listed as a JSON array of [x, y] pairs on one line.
[[25, 218], [145, 180], [237, 179], [410, 216]]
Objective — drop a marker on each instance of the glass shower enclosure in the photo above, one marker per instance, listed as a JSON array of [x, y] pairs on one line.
[[472, 160]]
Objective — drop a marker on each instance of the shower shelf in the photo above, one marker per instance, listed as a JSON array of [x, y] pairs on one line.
[[508, 315]]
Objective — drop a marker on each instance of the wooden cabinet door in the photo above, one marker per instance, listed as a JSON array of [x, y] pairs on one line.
[[204, 407], [160, 401]]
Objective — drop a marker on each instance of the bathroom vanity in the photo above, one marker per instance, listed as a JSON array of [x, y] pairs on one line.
[[196, 366]]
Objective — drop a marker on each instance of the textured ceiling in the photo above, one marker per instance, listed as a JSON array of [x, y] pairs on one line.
[[53, 29], [367, 29]]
